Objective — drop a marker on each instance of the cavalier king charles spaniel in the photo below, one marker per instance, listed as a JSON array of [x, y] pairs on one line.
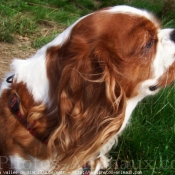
[[63, 109]]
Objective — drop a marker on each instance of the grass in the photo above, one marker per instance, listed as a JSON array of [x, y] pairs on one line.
[[26, 17], [147, 145]]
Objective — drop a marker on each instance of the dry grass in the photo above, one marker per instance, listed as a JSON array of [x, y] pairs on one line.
[[21, 49]]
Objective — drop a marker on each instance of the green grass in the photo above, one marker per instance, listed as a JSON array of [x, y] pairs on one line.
[[43, 40], [24, 17], [147, 145]]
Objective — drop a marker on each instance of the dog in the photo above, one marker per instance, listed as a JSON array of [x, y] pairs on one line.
[[63, 109]]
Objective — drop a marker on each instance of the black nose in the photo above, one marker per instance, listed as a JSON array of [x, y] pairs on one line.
[[172, 36]]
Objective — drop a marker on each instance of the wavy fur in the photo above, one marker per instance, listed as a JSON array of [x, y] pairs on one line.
[[91, 107]]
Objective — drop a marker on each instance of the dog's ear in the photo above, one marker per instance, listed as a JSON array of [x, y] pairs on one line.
[[90, 102]]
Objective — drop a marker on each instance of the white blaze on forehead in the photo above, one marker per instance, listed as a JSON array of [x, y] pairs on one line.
[[133, 12], [165, 53]]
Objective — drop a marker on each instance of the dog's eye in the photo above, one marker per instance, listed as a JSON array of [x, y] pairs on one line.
[[149, 44], [146, 48]]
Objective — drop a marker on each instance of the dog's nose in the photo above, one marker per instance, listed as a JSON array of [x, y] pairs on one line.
[[172, 36]]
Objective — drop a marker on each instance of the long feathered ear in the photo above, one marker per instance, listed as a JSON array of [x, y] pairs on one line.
[[90, 102]]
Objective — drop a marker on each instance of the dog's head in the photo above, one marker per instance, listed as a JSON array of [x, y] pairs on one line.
[[90, 71]]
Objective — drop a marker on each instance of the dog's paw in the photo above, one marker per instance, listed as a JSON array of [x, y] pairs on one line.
[[101, 162]]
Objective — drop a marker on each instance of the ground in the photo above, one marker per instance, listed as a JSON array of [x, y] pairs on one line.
[[20, 49], [22, 46]]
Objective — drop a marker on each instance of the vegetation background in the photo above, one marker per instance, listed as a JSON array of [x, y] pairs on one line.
[[147, 145]]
